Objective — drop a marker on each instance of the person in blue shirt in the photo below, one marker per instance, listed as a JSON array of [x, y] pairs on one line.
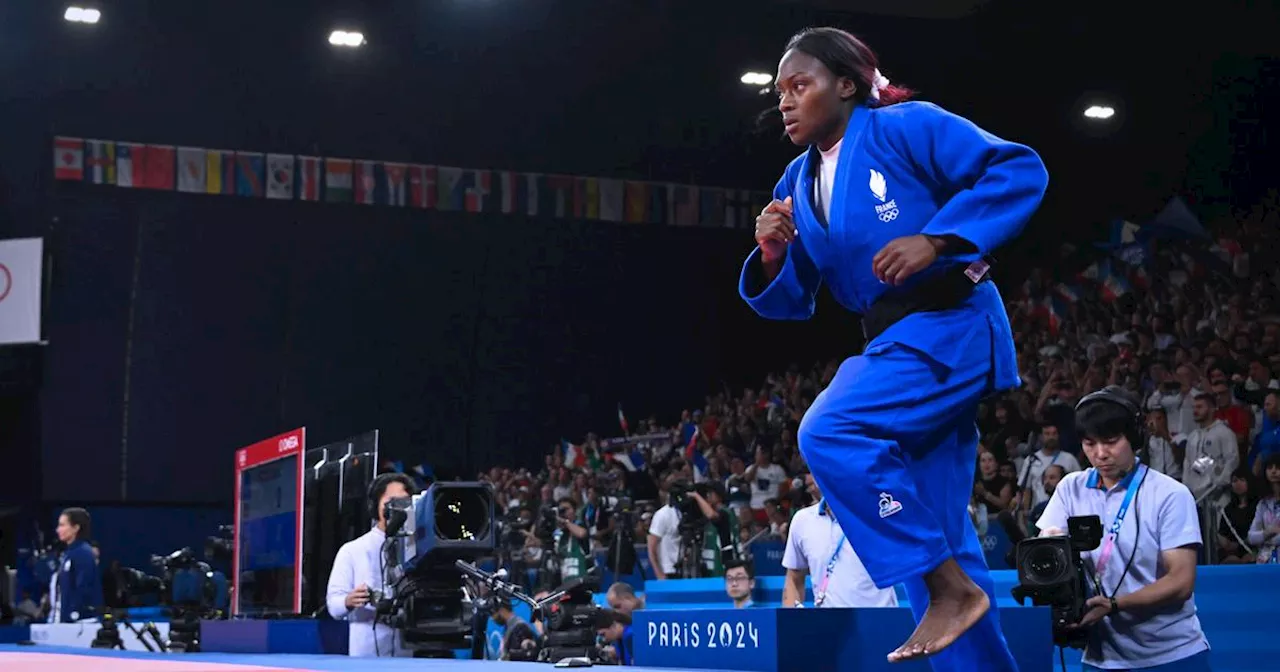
[[896, 206], [75, 592]]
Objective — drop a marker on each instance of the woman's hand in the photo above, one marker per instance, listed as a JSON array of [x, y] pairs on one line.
[[775, 230], [904, 257]]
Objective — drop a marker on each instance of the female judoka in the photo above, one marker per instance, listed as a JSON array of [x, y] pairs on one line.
[[897, 205]]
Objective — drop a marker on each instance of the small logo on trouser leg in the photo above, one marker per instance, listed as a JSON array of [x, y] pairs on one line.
[[888, 505]]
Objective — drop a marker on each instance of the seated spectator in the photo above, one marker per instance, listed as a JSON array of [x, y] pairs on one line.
[[1236, 518], [740, 583], [990, 488], [1264, 532]]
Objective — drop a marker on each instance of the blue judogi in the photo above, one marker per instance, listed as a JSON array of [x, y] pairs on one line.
[[892, 440]]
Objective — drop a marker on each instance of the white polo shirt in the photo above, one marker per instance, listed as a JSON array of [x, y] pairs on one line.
[[1161, 517], [811, 542]]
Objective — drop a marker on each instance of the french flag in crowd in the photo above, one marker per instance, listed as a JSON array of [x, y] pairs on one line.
[[632, 461], [695, 457], [574, 456], [1069, 293], [622, 421], [1114, 287], [1055, 313]]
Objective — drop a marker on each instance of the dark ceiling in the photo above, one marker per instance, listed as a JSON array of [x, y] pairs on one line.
[[646, 90], [922, 9]]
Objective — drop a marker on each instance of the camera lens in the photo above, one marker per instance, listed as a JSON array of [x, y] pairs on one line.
[[1046, 564], [461, 514]]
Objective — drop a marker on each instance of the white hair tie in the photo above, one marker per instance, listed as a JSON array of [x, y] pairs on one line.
[[878, 82]]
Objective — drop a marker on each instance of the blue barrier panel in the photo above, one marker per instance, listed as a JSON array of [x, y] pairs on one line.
[[773, 640], [261, 636], [766, 558], [12, 634]]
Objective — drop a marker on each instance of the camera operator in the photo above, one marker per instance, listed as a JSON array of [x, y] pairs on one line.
[[520, 634], [572, 542], [719, 541], [597, 517], [75, 591], [664, 538], [1143, 612], [619, 635], [357, 575]]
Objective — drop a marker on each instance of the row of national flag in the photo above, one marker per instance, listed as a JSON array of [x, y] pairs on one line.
[[199, 170]]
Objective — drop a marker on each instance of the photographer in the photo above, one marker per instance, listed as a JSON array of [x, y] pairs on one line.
[[719, 541], [519, 634], [1143, 612], [571, 542], [664, 539]]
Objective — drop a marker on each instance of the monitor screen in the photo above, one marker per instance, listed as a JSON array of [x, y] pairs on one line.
[[268, 537]]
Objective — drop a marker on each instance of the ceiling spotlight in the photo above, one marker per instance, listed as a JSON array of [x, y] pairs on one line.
[[82, 15], [345, 38], [756, 78], [1099, 112]]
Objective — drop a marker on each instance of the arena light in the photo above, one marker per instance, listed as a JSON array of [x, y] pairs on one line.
[[1099, 112], [82, 15], [346, 38], [756, 78]]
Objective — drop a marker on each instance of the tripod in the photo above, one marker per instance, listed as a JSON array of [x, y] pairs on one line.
[[108, 636]]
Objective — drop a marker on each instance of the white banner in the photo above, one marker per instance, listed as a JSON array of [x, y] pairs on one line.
[[21, 261]]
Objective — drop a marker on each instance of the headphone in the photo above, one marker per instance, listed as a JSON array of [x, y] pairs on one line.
[[379, 486], [1113, 394]]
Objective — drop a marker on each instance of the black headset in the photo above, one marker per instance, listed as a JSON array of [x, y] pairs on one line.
[[380, 484], [1113, 394]]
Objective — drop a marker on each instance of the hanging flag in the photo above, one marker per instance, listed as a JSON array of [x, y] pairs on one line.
[[100, 162], [684, 202], [220, 171], [612, 197], [251, 174], [477, 186], [637, 202], [280, 179], [450, 189], [659, 197], [510, 192], [711, 206], [393, 181], [534, 187], [366, 183], [192, 167], [161, 167], [560, 196], [308, 186], [737, 209], [68, 158], [130, 164], [622, 421], [337, 180], [586, 198], [422, 186]]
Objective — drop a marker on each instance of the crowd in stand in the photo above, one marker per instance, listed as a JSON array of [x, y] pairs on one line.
[[1194, 339]]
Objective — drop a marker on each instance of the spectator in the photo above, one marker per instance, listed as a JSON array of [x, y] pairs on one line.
[[766, 479], [1211, 455], [991, 488], [1264, 532], [1232, 545], [1049, 481], [1050, 453], [1267, 442], [1162, 454], [664, 541]]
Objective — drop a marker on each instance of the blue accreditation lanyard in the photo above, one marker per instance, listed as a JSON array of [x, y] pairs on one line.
[[1108, 546], [820, 591]]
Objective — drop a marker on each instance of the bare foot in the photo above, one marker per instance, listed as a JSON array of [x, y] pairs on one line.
[[955, 604]]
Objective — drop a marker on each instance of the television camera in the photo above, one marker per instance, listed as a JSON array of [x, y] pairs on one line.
[[188, 586], [1051, 572], [570, 615], [426, 535]]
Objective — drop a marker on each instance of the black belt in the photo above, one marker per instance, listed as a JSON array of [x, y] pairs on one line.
[[944, 291]]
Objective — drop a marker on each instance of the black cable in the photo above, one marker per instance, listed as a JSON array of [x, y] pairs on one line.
[[1062, 658]]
